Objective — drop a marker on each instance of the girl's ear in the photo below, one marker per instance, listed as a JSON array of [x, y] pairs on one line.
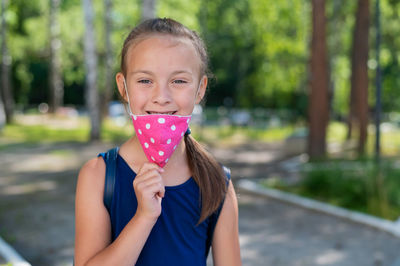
[[119, 78], [202, 89]]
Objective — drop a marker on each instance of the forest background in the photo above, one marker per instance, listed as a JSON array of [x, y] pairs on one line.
[[260, 51], [307, 64]]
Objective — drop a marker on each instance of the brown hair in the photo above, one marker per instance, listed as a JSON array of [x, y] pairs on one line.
[[206, 171]]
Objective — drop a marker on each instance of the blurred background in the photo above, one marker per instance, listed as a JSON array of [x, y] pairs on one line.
[[304, 98]]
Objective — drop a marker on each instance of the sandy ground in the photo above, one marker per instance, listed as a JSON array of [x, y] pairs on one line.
[[37, 186]]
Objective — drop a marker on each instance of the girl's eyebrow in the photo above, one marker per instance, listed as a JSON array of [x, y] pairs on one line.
[[141, 71], [151, 73], [182, 72]]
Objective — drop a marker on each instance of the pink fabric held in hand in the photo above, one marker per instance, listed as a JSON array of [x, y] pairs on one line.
[[159, 135]]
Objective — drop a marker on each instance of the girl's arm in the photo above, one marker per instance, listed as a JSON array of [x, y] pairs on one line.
[[92, 221], [225, 245]]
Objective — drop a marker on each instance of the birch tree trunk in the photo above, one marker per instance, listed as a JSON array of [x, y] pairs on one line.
[[2, 114], [91, 95], [108, 90], [6, 92], [318, 101], [56, 83], [359, 76], [148, 9]]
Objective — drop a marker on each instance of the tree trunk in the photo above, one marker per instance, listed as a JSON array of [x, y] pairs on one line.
[[108, 90], [148, 9], [2, 114], [351, 117], [318, 103], [359, 77], [91, 95], [6, 92], [56, 83]]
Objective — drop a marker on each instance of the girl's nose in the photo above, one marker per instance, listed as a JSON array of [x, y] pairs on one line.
[[161, 95]]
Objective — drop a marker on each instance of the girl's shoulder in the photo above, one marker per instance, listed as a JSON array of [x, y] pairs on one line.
[[93, 167], [92, 176]]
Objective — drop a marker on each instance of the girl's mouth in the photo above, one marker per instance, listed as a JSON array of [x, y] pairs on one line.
[[160, 113]]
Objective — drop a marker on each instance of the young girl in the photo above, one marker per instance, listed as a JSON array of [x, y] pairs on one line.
[[167, 187]]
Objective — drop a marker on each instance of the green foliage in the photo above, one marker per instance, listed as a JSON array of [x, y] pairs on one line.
[[258, 52], [259, 49], [357, 185], [182, 11]]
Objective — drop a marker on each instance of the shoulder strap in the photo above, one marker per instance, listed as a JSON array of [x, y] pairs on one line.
[[111, 165], [215, 215]]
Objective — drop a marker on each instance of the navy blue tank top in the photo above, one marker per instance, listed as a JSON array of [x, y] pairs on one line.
[[175, 239]]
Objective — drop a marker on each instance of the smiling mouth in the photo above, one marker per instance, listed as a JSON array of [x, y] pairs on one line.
[[160, 113]]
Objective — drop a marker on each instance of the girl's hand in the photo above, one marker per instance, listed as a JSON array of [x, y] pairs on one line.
[[149, 189]]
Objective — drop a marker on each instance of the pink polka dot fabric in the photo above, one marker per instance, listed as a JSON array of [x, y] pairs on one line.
[[159, 135]]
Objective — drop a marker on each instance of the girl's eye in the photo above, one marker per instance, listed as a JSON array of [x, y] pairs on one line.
[[144, 81], [180, 81]]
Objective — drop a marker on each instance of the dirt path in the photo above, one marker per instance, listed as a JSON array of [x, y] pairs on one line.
[[37, 186], [279, 234]]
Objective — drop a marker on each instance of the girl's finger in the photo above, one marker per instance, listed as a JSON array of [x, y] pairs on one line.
[[149, 166], [149, 176], [155, 188], [152, 180]]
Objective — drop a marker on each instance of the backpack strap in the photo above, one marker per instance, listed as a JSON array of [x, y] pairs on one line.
[[215, 215], [110, 159]]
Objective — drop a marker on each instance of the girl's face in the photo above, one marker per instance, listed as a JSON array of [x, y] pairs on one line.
[[163, 76]]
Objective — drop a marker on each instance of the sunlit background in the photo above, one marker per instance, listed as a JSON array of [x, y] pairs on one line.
[[278, 109]]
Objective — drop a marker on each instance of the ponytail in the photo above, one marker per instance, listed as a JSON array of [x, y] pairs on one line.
[[209, 176]]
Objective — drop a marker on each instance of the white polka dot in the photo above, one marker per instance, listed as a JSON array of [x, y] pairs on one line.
[[134, 117], [153, 158], [146, 145], [169, 141], [174, 147], [148, 126], [140, 132], [187, 121], [161, 153], [173, 127], [152, 140], [161, 120], [166, 160], [182, 134]]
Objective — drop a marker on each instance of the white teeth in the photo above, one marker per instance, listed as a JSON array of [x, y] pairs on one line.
[[169, 113]]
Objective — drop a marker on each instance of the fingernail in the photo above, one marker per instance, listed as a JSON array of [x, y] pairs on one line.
[[161, 169]]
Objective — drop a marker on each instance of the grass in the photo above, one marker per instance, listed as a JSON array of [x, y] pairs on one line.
[[359, 185], [336, 132], [230, 135], [30, 130]]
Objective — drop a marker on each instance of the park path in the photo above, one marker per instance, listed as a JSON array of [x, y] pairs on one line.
[[37, 186]]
